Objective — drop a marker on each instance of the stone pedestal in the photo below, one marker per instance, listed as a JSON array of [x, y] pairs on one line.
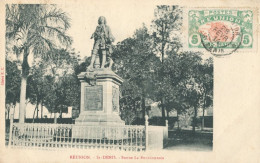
[[99, 98]]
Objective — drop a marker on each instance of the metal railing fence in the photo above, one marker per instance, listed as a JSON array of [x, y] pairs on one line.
[[62, 136]]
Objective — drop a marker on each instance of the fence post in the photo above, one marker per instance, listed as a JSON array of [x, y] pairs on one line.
[[146, 132], [166, 126], [10, 130]]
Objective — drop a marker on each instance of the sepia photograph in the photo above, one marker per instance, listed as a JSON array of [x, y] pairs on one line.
[[140, 92], [118, 77]]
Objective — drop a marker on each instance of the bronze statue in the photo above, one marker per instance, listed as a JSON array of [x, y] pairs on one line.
[[103, 44]]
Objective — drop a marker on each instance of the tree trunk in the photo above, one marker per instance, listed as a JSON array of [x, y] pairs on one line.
[[163, 99], [178, 120], [194, 120], [60, 114], [41, 110], [163, 109], [37, 113], [34, 114], [8, 113], [25, 72], [14, 110], [134, 104], [202, 123], [204, 105], [143, 107], [37, 106], [167, 115], [22, 100]]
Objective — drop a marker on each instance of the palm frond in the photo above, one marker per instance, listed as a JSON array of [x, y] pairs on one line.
[[42, 45], [57, 32], [41, 28], [57, 16]]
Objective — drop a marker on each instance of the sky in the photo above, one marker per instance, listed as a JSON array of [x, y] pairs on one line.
[[123, 19]]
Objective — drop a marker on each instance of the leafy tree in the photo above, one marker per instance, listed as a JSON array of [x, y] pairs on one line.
[[193, 95], [185, 118], [206, 85], [167, 21], [35, 87], [179, 68], [136, 64], [200, 90], [198, 86], [82, 66], [12, 87], [166, 26], [53, 82], [62, 94], [34, 29]]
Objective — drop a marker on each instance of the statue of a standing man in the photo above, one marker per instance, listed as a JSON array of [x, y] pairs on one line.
[[103, 43]]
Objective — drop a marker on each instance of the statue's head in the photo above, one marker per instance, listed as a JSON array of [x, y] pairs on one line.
[[102, 20]]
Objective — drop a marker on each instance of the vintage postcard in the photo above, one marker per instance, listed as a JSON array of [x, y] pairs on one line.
[[129, 81]]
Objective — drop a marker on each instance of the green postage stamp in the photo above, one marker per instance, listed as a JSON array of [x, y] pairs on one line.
[[220, 31]]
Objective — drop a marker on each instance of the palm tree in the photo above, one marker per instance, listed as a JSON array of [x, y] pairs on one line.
[[36, 30]]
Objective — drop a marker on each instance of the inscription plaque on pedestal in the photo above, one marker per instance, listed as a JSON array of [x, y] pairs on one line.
[[115, 99], [94, 98]]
